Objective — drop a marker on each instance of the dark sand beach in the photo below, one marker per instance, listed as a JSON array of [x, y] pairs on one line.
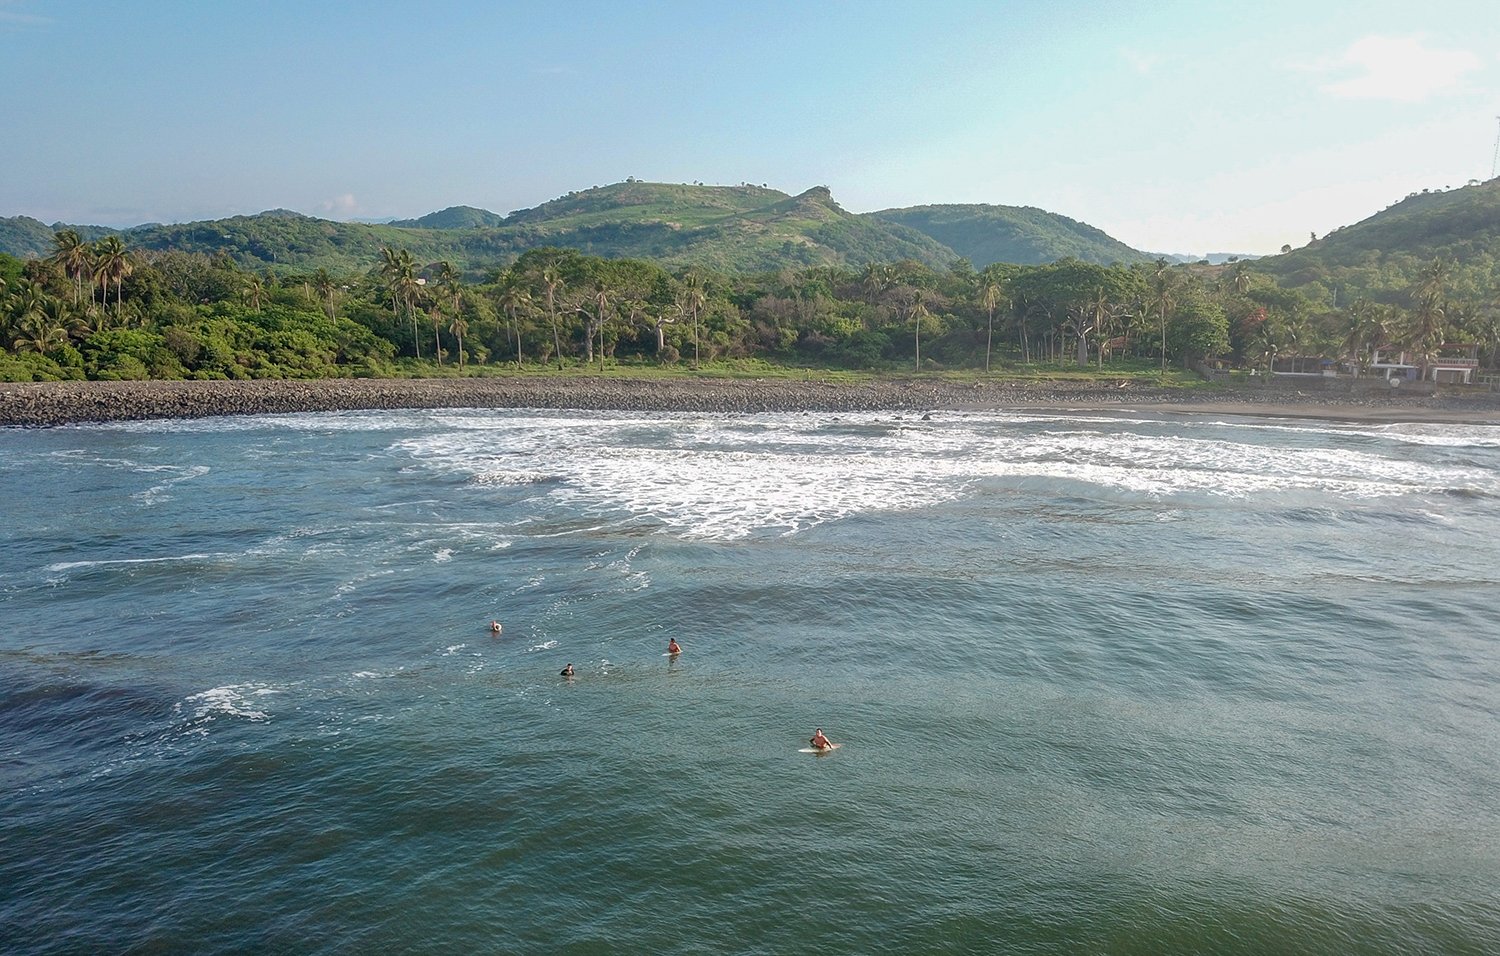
[[43, 404]]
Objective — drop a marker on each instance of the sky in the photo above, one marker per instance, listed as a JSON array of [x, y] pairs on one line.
[[1175, 126]]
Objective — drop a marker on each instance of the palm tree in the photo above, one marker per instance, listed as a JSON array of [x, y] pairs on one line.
[[72, 254], [694, 298], [1429, 316], [1102, 314], [326, 289], [255, 290], [594, 322], [1164, 298], [459, 328], [21, 308], [40, 332], [990, 297], [448, 281], [552, 281], [112, 264], [435, 313], [402, 285], [395, 266], [918, 312], [513, 299]]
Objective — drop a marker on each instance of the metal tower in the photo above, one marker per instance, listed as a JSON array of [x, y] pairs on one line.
[[1495, 162]]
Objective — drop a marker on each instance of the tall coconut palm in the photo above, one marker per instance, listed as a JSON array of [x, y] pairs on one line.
[[72, 254], [990, 297], [435, 313], [1429, 326], [1164, 285], [450, 285], [400, 273], [112, 264], [459, 328], [326, 289], [552, 283], [593, 321], [918, 312], [694, 298], [514, 299]]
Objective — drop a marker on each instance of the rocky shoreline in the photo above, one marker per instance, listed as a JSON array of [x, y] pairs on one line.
[[44, 404]]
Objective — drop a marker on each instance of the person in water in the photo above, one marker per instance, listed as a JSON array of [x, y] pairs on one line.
[[819, 742], [494, 627], [567, 671], [673, 647]]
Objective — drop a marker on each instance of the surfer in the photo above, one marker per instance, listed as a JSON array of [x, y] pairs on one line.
[[819, 742], [566, 671], [494, 627], [673, 647]]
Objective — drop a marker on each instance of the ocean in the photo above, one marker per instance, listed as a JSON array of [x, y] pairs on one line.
[[1104, 683]]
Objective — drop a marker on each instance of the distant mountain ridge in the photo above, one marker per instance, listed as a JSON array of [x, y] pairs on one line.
[[1024, 235], [730, 228]]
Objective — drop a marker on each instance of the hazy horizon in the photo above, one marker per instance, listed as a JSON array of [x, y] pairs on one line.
[[1174, 127]]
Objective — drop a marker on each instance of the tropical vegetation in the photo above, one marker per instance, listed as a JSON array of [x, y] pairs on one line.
[[103, 308]]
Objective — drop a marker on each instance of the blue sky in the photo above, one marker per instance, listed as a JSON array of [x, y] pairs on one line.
[[1175, 126]]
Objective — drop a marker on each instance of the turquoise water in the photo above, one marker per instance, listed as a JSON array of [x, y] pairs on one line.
[[1105, 683]]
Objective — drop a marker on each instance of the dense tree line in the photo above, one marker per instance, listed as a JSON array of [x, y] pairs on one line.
[[102, 311]]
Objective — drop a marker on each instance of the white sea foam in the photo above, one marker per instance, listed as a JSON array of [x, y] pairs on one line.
[[230, 700], [106, 562], [544, 646], [707, 477], [442, 554]]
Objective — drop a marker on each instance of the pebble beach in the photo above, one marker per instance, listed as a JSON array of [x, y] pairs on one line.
[[45, 404]]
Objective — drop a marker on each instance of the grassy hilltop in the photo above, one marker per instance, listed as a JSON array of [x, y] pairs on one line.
[[741, 228]]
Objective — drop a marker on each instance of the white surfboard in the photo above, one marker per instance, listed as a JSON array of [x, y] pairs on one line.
[[815, 750]]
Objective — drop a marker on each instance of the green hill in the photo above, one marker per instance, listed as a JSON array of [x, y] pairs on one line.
[[730, 228], [454, 217], [25, 237], [1381, 255], [1020, 234]]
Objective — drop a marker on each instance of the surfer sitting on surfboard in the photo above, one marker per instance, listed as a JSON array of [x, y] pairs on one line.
[[673, 647], [819, 742]]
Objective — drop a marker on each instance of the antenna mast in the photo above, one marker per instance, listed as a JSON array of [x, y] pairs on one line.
[[1495, 162]]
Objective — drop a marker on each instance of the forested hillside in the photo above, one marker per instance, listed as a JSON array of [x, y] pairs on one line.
[[733, 228], [1381, 256], [790, 280], [1020, 234]]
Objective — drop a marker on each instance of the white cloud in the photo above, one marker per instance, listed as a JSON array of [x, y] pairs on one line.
[[1396, 69], [1140, 62], [345, 205], [10, 16]]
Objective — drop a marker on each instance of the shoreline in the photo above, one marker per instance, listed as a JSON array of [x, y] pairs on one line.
[[47, 404]]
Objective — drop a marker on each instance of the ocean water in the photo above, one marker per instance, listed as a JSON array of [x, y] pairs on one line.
[[1112, 683]]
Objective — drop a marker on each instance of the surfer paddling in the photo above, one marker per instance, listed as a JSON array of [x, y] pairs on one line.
[[673, 647], [819, 742]]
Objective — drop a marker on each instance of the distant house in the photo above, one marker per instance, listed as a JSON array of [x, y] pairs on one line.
[[1393, 365], [1453, 365]]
